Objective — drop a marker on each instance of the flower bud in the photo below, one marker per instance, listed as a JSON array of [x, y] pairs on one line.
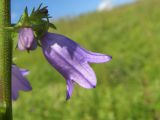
[[26, 40]]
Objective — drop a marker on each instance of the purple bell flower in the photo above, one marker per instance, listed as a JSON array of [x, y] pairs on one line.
[[26, 39], [71, 60], [19, 82]]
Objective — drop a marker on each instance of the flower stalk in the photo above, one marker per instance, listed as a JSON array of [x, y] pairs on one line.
[[5, 61]]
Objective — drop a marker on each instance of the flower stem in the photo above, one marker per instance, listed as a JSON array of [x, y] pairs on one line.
[[5, 61]]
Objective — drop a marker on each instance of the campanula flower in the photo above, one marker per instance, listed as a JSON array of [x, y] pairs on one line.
[[19, 82], [71, 60], [26, 40]]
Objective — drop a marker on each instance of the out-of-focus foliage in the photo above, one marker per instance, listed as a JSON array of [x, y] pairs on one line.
[[128, 86]]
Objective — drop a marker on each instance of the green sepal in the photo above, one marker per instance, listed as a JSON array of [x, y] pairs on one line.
[[51, 25], [39, 14], [24, 20], [39, 30]]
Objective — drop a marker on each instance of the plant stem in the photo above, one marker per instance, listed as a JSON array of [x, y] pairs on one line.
[[5, 61]]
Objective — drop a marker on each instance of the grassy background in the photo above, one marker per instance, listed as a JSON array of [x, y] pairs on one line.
[[128, 86]]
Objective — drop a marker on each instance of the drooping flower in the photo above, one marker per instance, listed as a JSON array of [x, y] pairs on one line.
[[26, 40], [71, 60], [19, 82]]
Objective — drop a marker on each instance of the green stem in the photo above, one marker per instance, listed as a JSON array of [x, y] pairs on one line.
[[5, 61]]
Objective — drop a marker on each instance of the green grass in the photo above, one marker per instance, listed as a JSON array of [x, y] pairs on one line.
[[128, 86]]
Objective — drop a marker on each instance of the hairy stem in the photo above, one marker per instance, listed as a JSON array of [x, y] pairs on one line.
[[5, 61]]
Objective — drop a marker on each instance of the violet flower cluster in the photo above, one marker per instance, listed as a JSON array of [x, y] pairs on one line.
[[70, 59], [66, 56]]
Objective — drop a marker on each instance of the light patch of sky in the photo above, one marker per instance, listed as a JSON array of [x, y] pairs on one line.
[[58, 8], [121, 2]]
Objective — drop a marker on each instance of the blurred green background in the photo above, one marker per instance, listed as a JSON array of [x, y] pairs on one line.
[[128, 86]]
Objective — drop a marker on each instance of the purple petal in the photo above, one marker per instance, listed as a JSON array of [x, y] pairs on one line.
[[33, 45], [84, 76], [72, 69], [96, 57], [76, 51], [69, 89], [19, 82], [24, 72]]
